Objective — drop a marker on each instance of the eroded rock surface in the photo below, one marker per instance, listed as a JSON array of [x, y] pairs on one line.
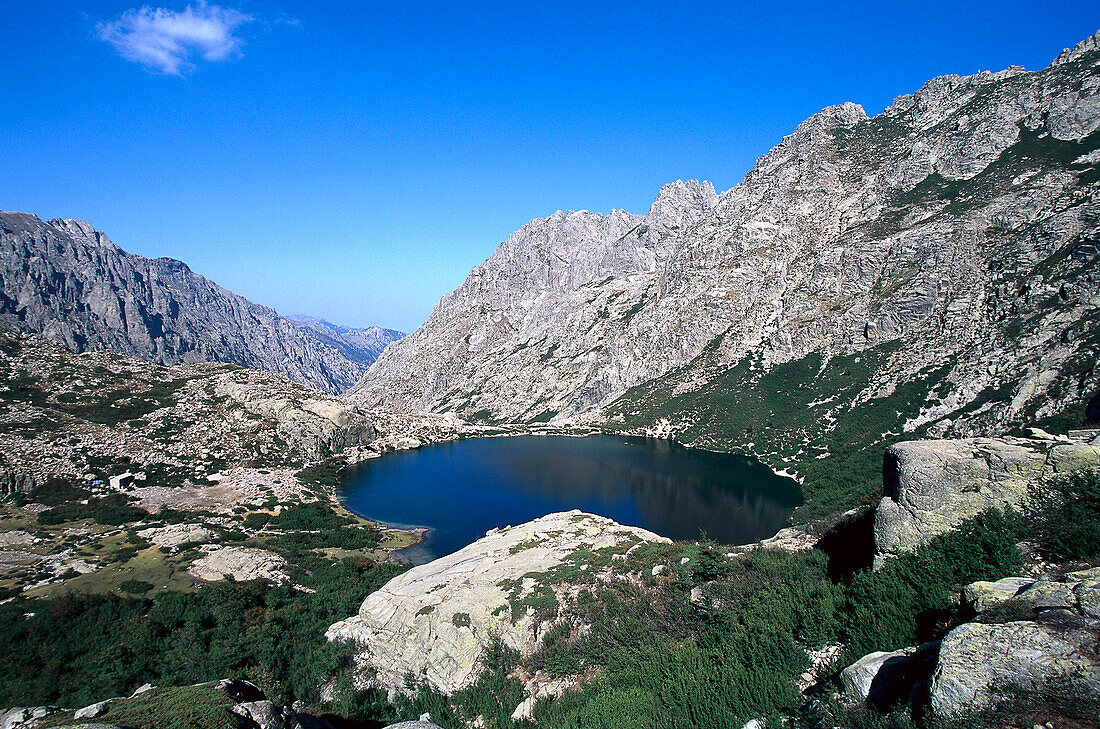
[[437, 620], [932, 486], [175, 535], [240, 563], [977, 660]]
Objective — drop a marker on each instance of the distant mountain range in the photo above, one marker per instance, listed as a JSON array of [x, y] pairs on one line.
[[71, 284], [371, 340]]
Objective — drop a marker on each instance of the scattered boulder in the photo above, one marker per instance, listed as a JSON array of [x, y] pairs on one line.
[[436, 620], [932, 486], [92, 710], [240, 563], [263, 714], [886, 679], [175, 535], [20, 717]]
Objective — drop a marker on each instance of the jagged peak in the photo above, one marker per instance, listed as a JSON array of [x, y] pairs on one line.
[[681, 203], [692, 192], [1072, 54]]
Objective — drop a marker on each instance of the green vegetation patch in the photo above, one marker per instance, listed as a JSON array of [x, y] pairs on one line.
[[183, 707], [1065, 515], [793, 413]]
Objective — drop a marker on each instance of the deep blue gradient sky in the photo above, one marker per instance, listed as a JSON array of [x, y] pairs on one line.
[[354, 160]]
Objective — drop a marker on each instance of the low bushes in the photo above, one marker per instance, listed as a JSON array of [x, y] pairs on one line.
[[1065, 516]]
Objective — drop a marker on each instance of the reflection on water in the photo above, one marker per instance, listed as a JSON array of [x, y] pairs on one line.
[[462, 489]]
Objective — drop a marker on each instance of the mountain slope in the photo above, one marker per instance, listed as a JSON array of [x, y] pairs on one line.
[[371, 340], [931, 269], [544, 325], [70, 283]]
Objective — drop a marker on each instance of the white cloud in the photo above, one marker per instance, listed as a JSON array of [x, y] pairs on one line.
[[168, 41]]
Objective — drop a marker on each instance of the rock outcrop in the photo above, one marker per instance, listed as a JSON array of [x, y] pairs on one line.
[[240, 563], [886, 679], [437, 620], [942, 252], [1029, 639], [68, 282], [932, 486]]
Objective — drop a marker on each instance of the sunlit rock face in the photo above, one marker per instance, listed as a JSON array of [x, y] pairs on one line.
[[68, 282], [437, 620], [959, 223], [932, 486]]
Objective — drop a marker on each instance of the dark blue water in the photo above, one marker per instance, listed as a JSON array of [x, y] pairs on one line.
[[462, 489]]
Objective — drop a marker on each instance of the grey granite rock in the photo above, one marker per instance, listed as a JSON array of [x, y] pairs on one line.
[[70, 283], [957, 226], [240, 563], [977, 661], [932, 486], [436, 620]]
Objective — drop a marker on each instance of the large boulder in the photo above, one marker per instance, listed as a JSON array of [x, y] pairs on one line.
[[979, 661], [437, 620], [885, 679], [932, 486], [1051, 652]]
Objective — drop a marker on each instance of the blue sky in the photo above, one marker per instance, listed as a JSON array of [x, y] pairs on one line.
[[354, 160]]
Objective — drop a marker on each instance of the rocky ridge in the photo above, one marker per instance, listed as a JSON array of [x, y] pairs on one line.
[[370, 340], [65, 415], [940, 257], [68, 282]]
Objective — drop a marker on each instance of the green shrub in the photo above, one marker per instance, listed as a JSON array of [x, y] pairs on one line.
[[112, 510], [135, 587], [80, 648], [909, 600], [257, 520], [1064, 513]]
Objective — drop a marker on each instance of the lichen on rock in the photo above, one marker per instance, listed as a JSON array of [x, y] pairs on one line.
[[436, 621]]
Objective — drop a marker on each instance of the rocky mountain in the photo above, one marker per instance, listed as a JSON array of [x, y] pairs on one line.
[[371, 340], [70, 283], [930, 270], [545, 327]]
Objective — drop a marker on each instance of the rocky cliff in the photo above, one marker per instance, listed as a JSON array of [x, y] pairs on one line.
[[370, 340], [70, 283], [928, 270]]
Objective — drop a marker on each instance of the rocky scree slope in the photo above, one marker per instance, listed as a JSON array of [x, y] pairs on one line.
[[70, 283], [931, 270]]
